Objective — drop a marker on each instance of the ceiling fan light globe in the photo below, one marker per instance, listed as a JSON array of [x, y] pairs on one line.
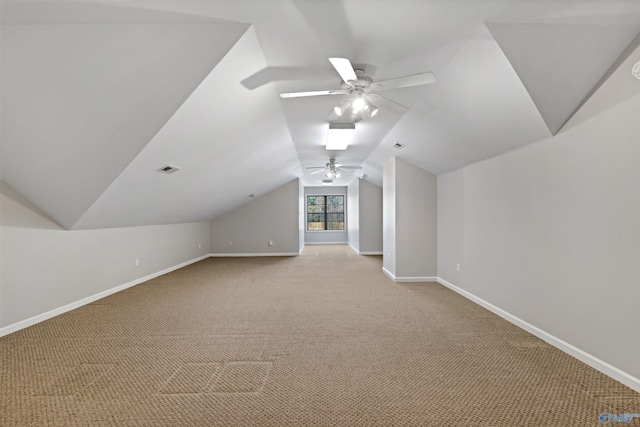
[[342, 107], [359, 104], [370, 109]]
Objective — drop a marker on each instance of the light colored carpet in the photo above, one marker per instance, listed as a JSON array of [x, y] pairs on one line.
[[323, 339]]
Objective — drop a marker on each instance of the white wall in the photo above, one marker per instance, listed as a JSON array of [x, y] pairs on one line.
[[319, 237], [370, 218], [271, 217], [416, 222], [450, 227], [302, 215], [551, 232], [44, 267], [389, 217], [365, 217], [353, 215], [409, 222]]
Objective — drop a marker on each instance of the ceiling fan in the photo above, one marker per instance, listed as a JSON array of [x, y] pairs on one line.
[[332, 169], [361, 89]]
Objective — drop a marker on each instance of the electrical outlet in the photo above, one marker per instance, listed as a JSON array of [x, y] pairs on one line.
[[199, 245], [458, 267], [270, 242], [137, 262], [230, 243]]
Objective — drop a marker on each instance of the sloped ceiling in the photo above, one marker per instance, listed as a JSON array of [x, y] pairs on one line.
[[80, 101], [212, 147], [559, 64], [97, 96]]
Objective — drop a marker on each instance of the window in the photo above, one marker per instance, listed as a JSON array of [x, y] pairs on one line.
[[325, 213]]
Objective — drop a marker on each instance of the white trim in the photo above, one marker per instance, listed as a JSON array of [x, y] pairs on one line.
[[72, 306], [243, 254], [326, 243], [365, 252], [600, 365], [408, 279], [415, 279]]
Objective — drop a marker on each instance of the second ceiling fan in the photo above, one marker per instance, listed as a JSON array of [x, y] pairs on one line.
[[332, 169], [361, 90]]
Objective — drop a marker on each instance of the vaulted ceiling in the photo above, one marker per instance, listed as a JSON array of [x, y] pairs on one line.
[[99, 95]]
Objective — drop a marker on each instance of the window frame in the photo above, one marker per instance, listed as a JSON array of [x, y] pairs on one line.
[[306, 212]]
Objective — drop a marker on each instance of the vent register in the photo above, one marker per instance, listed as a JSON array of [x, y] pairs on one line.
[[169, 169]]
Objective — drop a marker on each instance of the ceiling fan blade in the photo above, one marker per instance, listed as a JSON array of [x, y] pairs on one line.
[[387, 104], [344, 68], [278, 74], [312, 93], [320, 171], [407, 81], [351, 167]]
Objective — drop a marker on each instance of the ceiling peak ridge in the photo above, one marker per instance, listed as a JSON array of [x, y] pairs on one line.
[[561, 65]]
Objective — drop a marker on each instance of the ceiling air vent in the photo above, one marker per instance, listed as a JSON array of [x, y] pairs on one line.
[[398, 146], [169, 169]]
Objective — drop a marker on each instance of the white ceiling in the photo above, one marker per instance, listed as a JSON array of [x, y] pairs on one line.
[[97, 96]]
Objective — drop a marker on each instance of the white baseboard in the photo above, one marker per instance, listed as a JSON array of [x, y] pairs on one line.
[[326, 243], [71, 306], [408, 279], [388, 273], [600, 365], [234, 255], [359, 252], [415, 279]]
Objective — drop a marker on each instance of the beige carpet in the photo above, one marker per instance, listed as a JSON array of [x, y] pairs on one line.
[[324, 339]]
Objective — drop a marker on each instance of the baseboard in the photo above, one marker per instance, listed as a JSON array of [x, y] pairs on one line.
[[415, 279], [234, 255], [84, 301], [600, 365], [326, 243], [388, 273], [359, 252], [408, 279]]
